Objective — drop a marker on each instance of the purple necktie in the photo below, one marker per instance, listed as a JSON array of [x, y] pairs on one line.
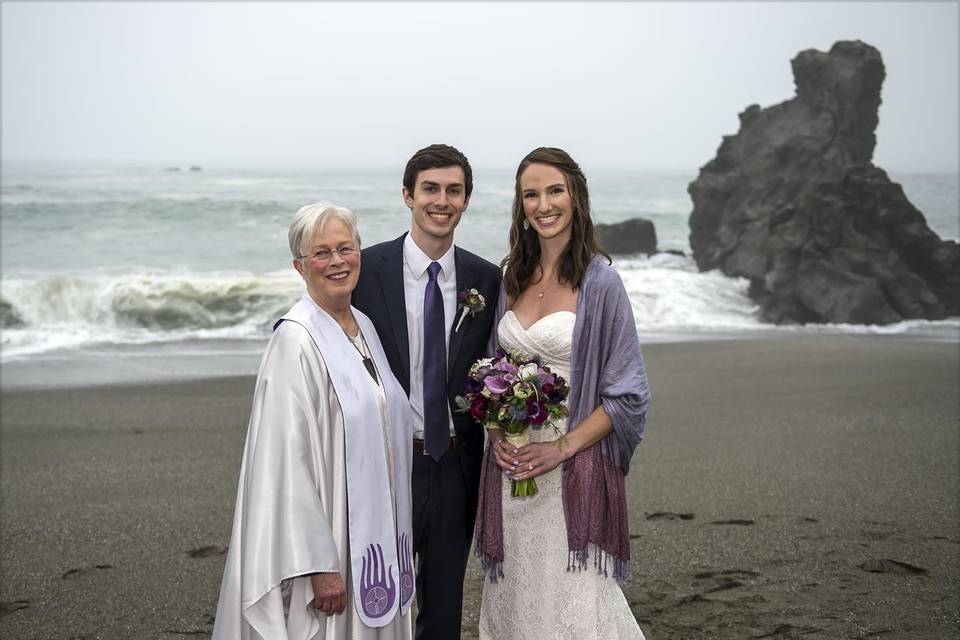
[[436, 430]]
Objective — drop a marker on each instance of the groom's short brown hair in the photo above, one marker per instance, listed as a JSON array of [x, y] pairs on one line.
[[437, 156]]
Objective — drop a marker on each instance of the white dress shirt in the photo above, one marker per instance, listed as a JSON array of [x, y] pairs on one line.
[[415, 263]]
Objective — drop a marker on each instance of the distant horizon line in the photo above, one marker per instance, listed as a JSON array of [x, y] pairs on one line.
[[161, 167]]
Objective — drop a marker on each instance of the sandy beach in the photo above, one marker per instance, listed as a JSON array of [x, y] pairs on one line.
[[798, 487]]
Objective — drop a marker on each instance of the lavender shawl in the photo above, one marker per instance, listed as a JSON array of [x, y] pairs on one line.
[[606, 369]]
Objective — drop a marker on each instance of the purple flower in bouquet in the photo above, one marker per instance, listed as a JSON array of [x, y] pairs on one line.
[[473, 386], [496, 384], [537, 413], [505, 366], [552, 393]]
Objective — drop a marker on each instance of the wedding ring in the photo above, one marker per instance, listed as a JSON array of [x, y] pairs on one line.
[[530, 464]]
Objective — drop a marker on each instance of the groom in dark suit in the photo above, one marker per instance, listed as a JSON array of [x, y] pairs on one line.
[[409, 287]]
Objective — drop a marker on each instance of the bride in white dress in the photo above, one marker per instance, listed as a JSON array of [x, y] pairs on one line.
[[543, 584]]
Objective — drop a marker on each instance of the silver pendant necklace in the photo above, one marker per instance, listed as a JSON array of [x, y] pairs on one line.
[[361, 346]]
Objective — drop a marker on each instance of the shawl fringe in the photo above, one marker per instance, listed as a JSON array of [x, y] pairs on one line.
[[577, 561]]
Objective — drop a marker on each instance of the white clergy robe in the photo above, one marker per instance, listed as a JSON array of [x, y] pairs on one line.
[[291, 513]]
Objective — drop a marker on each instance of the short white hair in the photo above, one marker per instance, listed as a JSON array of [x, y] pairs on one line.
[[311, 219]]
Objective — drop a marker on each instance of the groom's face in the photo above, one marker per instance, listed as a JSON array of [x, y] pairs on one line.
[[438, 200]]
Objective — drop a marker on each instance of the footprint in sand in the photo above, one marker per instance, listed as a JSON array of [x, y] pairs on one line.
[[789, 631], [653, 591], [886, 565], [207, 551], [781, 516], [728, 579], [208, 620], [79, 571], [669, 515], [6, 608], [743, 574]]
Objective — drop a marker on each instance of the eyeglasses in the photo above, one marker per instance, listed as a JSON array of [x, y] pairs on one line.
[[323, 256]]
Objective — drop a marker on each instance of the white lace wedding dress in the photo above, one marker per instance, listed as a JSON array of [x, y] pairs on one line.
[[537, 599]]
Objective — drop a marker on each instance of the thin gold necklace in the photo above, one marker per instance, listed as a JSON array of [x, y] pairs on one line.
[[544, 290]]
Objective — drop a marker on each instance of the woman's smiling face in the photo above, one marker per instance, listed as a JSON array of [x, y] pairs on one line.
[[331, 267], [546, 201]]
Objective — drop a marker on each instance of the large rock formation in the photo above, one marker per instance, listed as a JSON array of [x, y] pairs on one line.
[[793, 203], [636, 235]]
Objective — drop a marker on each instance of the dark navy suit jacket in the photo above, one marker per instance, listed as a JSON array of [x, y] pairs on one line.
[[379, 294]]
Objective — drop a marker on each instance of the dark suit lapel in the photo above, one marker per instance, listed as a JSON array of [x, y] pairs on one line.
[[464, 278], [390, 275]]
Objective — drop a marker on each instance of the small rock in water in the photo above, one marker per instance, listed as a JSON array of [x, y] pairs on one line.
[[636, 235]]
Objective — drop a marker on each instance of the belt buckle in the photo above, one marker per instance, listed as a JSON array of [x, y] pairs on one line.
[[451, 444]]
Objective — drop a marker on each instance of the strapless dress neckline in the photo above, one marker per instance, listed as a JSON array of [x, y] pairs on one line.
[[538, 321]]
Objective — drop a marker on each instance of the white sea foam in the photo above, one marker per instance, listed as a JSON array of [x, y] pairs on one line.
[[61, 312], [670, 300], [668, 294], [670, 297]]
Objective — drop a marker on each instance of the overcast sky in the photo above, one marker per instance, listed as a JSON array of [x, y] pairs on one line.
[[632, 85]]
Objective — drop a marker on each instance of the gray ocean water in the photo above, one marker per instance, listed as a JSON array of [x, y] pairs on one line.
[[142, 273]]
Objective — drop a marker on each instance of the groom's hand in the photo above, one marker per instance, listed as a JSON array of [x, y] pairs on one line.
[[329, 592]]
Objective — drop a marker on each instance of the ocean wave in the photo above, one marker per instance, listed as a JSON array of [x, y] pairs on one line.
[[59, 311], [40, 313], [669, 294]]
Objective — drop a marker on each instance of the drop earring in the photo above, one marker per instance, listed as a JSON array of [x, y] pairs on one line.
[[526, 224]]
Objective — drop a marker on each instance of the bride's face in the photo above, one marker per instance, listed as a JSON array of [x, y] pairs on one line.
[[546, 201]]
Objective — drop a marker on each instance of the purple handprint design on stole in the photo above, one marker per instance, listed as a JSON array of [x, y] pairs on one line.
[[406, 570], [376, 593]]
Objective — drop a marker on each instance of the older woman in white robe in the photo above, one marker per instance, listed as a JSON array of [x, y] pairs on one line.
[[323, 504]]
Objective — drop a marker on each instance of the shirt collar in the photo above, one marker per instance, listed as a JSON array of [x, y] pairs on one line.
[[417, 261]]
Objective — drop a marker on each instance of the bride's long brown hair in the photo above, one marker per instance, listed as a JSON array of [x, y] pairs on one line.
[[523, 261]]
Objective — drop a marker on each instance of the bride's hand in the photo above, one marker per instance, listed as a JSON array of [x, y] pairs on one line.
[[538, 458], [504, 453]]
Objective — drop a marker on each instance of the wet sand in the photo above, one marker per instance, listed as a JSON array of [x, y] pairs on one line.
[[802, 487]]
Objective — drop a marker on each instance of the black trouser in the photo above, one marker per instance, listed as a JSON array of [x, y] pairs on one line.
[[442, 533]]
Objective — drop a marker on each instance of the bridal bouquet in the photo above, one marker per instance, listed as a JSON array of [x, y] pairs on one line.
[[514, 394]]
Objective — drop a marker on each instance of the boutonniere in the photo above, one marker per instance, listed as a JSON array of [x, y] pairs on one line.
[[470, 302]]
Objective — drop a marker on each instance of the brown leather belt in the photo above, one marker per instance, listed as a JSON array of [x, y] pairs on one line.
[[418, 445]]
